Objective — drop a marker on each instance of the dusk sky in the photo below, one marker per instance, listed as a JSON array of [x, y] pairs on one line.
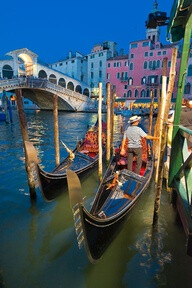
[[52, 29]]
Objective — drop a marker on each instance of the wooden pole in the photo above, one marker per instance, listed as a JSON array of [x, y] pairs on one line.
[[25, 137], [166, 99], [100, 168], [108, 154], [151, 112], [56, 129], [112, 116]]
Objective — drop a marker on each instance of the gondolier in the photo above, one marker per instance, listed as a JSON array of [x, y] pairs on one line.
[[134, 134]]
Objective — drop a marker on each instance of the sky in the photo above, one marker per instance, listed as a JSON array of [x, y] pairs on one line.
[[52, 29]]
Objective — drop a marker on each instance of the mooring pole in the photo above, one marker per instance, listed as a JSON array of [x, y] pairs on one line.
[[151, 112], [108, 154], [100, 168], [160, 155], [24, 133], [56, 129], [112, 116]]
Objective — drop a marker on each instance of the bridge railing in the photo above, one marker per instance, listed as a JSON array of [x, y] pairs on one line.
[[40, 83]]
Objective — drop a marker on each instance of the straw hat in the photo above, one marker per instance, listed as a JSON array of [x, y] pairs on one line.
[[134, 119]]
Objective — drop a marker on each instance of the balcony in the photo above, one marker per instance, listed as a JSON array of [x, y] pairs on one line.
[[124, 79]]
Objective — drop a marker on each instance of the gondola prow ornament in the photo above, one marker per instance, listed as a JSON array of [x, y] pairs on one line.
[[71, 154]]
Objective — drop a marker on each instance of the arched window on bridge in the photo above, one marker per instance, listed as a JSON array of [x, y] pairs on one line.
[[86, 92], [70, 86], [78, 89], [53, 79], [7, 72], [42, 74], [62, 82]]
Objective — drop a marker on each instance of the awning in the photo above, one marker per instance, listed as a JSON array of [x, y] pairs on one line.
[[180, 13]]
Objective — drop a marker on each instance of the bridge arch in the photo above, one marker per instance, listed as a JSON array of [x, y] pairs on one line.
[[86, 92], [42, 74], [70, 86], [7, 72], [53, 79], [62, 82], [78, 89]]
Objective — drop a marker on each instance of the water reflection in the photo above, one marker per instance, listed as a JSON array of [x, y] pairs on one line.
[[38, 246]]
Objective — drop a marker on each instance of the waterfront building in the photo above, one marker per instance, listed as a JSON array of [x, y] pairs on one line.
[[74, 65], [97, 61], [144, 69], [117, 74]]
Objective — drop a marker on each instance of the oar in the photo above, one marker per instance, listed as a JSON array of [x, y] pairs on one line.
[[74, 188], [71, 154]]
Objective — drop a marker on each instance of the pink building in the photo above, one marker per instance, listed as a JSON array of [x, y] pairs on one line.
[[117, 74], [144, 68]]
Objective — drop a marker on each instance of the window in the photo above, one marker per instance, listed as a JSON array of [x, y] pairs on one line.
[[108, 76], [134, 45], [92, 64], [125, 86], [100, 63], [118, 75], [126, 63], [118, 64], [151, 54], [132, 56], [131, 66], [143, 80], [130, 81], [187, 88], [145, 65], [145, 44], [92, 75], [142, 93], [125, 75], [146, 54], [129, 93], [159, 53], [114, 64], [72, 61], [124, 95], [169, 63], [108, 65], [150, 64], [189, 70], [158, 63], [136, 93], [164, 52], [100, 73], [60, 64]]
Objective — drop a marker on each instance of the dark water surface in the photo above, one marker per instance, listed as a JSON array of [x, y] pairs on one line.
[[38, 247]]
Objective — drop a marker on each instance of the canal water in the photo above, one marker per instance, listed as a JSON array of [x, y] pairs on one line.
[[38, 247]]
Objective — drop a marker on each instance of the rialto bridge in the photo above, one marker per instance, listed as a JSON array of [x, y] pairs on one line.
[[39, 83]]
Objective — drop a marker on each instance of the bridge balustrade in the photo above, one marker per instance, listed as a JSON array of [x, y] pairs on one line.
[[40, 83]]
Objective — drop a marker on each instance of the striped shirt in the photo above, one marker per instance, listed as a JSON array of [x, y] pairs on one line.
[[134, 134]]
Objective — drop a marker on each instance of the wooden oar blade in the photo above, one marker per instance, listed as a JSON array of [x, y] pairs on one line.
[[74, 188]]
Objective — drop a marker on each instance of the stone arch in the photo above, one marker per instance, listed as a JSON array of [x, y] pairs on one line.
[[86, 92], [70, 86], [78, 89], [62, 82], [42, 74], [7, 72], [53, 79]]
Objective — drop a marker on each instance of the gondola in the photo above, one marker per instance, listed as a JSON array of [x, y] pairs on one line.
[[117, 194], [81, 160]]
